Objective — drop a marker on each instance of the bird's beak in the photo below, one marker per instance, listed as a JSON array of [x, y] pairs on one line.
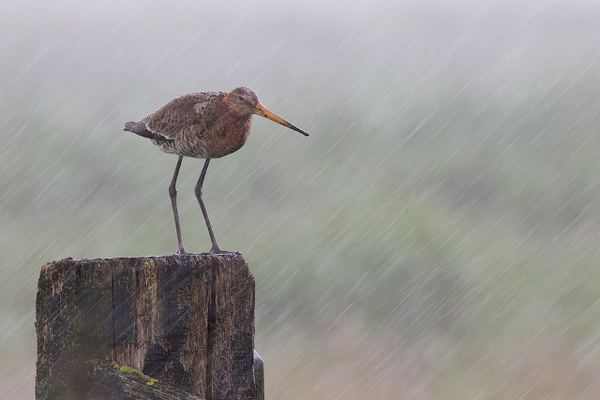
[[264, 112]]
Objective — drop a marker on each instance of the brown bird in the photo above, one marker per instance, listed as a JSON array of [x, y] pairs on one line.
[[203, 125]]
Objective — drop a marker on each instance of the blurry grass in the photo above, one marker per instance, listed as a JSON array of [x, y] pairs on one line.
[[434, 284]]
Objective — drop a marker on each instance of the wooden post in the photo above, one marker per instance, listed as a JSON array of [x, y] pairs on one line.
[[259, 376], [185, 321]]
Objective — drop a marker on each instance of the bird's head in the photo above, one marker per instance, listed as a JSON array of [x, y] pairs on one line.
[[243, 101]]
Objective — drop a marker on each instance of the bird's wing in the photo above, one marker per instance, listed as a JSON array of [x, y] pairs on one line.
[[183, 112]]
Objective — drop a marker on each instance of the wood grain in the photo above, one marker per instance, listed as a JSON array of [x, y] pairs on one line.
[[187, 321]]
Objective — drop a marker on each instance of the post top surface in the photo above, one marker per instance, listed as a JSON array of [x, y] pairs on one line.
[[195, 258]]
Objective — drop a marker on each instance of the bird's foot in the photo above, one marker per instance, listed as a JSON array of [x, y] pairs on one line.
[[217, 250], [180, 252]]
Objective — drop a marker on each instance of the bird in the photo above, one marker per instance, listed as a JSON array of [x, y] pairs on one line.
[[203, 125]]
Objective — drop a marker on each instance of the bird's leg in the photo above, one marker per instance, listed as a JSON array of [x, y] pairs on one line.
[[173, 196], [215, 247]]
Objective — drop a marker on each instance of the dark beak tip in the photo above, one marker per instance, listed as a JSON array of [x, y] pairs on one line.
[[295, 128]]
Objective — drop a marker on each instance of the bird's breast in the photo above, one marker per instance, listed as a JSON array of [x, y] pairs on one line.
[[228, 137]]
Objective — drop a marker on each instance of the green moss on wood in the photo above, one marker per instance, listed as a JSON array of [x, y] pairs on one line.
[[123, 369]]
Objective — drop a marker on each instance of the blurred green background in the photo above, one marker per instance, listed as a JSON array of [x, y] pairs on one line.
[[437, 235]]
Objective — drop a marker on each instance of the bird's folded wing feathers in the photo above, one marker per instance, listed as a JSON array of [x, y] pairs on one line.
[[183, 112]]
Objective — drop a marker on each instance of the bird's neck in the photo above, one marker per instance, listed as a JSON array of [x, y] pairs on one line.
[[233, 117]]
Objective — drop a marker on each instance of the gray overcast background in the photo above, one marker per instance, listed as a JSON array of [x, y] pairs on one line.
[[436, 237]]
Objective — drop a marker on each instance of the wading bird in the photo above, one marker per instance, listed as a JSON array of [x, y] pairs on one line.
[[203, 125]]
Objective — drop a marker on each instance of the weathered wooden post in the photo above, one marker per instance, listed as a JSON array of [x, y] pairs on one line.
[[170, 327]]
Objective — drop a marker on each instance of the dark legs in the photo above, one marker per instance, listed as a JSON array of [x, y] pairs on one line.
[[173, 196], [215, 247]]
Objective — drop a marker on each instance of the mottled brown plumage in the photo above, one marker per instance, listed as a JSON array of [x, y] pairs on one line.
[[203, 125]]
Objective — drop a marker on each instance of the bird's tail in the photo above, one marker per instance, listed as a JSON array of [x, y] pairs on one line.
[[135, 127], [139, 128]]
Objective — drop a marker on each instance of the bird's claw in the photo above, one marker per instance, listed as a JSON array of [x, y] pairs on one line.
[[217, 250]]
